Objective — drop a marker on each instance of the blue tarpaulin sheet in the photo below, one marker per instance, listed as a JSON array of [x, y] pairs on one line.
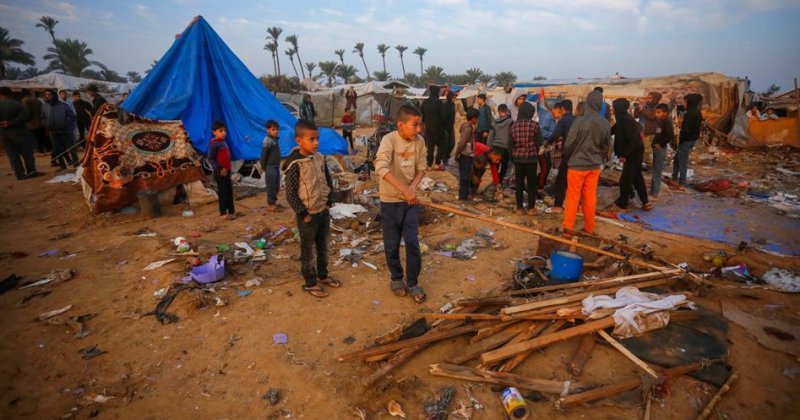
[[200, 80]]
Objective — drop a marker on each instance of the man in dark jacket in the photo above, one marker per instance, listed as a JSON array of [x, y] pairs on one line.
[[97, 99], [83, 113], [60, 120], [565, 120], [690, 132], [17, 140], [629, 148], [586, 149], [433, 117]]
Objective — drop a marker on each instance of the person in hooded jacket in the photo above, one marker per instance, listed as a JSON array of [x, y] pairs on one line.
[[433, 117], [649, 123], [60, 122], [628, 146], [690, 132], [307, 110], [526, 137], [500, 137], [586, 149]]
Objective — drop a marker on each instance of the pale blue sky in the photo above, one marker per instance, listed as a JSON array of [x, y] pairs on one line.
[[554, 38]]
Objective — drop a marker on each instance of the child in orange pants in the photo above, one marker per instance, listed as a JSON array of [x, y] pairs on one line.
[[581, 187]]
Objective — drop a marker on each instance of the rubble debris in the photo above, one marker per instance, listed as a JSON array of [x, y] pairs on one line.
[[91, 352], [395, 409], [9, 283], [782, 280], [49, 314], [436, 408]]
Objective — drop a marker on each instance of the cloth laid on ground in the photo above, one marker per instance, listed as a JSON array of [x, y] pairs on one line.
[[123, 159], [65, 178], [632, 310], [782, 280], [346, 211]]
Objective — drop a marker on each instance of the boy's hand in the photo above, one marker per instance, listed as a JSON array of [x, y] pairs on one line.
[[223, 172], [498, 195], [307, 219], [622, 160], [410, 195]]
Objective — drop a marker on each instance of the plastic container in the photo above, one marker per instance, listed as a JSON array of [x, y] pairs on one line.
[[567, 267], [210, 272], [515, 405]]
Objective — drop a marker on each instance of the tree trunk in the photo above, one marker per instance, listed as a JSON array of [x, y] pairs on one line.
[[295, 68], [420, 66], [299, 61], [403, 65], [383, 57], [369, 78]]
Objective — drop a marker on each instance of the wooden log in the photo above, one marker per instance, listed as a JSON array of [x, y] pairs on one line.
[[489, 301], [500, 378], [464, 317], [627, 385], [517, 360], [577, 297], [430, 337], [633, 261], [706, 413], [491, 330], [532, 331], [673, 273], [581, 356], [627, 353], [474, 350], [378, 358]]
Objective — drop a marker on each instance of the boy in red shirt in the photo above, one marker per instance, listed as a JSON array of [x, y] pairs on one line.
[[219, 156], [485, 155]]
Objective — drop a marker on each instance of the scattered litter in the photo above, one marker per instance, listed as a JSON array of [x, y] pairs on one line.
[[90, 352], [147, 235], [273, 396], [223, 248], [254, 282], [157, 264], [49, 253], [280, 338], [436, 409], [160, 312], [791, 372], [187, 213], [9, 283], [464, 411], [349, 340], [26, 299], [370, 265], [50, 314], [718, 257], [160, 293], [245, 293], [783, 280], [738, 273], [81, 320], [241, 256], [65, 178], [210, 272], [182, 245], [346, 211], [395, 409], [37, 283]]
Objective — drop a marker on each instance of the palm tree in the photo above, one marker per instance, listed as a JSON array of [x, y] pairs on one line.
[[420, 52], [29, 73], [275, 32], [347, 72], [70, 56], [14, 73], [411, 78], [290, 52], [505, 79], [485, 79], [359, 48], [272, 47], [382, 48], [328, 68], [292, 39], [109, 75], [401, 49], [310, 67], [11, 52], [381, 76], [49, 25], [152, 66], [434, 74], [340, 53], [134, 77], [473, 74]]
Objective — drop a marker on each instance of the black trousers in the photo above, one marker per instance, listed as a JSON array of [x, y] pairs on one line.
[[348, 135], [43, 144], [434, 141], [314, 238], [20, 152], [631, 179], [83, 127], [401, 221], [225, 193], [560, 186], [464, 176], [504, 162], [525, 181], [449, 144]]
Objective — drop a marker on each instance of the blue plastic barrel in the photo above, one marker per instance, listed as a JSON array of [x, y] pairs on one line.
[[567, 267]]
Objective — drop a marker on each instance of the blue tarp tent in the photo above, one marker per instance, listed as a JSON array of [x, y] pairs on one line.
[[200, 80]]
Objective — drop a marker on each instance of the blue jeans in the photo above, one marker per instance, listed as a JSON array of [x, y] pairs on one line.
[[659, 160], [272, 175], [681, 162], [464, 176], [401, 221]]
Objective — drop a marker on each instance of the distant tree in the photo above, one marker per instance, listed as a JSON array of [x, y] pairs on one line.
[[381, 76], [401, 49], [13, 73], [70, 56], [359, 48], [474, 74], [771, 90], [328, 68], [290, 52], [102, 87], [347, 73], [459, 79], [281, 84], [434, 74], [539, 78], [152, 66], [485, 79], [275, 33], [340, 53], [292, 39], [29, 72], [505, 79], [310, 67], [11, 52], [411, 79], [134, 77], [49, 25], [272, 47], [420, 52], [382, 48], [106, 74]]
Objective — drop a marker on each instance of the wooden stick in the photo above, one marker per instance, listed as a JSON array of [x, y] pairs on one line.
[[627, 385], [581, 356], [575, 297], [448, 209], [488, 301], [491, 330], [509, 365], [474, 350], [617, 244], [500, 378], [378, 358], [718, 396], [465, 317], [533, 330], [430, 337], [625, 352], [677, 272]]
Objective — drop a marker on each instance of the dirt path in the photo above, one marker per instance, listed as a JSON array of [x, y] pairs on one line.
[[218, 362]]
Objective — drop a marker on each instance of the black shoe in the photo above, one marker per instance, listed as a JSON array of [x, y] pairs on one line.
[[34, 174]]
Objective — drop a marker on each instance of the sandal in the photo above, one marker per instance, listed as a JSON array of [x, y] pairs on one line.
[[330, 281], [399, 288], [418, 294], [647, 206], [316, 291]]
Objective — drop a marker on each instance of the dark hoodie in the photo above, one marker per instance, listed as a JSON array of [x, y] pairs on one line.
[[589, 138], [626, 132], [693, 119], [647, 115], [500, 134]]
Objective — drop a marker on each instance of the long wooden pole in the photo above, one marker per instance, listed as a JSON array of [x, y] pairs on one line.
[[627, 353], [676, 272], [411, 342], [500, 378], [718, 396]]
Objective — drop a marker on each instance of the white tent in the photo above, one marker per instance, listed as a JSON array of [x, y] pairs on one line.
[[55, 80], [330, 102]]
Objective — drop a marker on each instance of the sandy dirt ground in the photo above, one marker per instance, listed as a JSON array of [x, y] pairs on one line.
[[217, 362]]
